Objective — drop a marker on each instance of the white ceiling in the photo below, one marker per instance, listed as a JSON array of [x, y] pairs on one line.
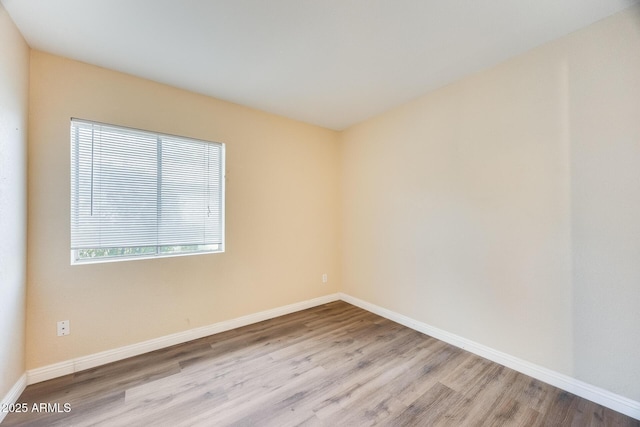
[[332, 63]]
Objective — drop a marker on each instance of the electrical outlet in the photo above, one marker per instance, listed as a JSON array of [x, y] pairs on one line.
[[324, 278], [63, 328]]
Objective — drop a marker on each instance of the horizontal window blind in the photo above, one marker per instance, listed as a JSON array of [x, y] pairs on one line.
[[138, 189]]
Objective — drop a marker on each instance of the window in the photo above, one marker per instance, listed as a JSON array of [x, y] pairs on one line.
[[139, 194]]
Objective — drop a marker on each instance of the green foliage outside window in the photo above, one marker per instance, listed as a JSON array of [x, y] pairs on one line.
[[143, 250]]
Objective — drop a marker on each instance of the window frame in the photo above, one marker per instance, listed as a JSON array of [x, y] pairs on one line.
[[159, 251]]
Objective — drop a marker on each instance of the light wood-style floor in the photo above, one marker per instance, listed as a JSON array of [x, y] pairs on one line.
[[334, 365]]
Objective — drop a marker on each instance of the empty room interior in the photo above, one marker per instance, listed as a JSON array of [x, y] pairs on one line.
[[422, 213]]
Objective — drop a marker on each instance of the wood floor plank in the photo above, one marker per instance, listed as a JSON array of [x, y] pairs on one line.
[[332, 365], [562, 410], [531, 392], [435, 363], [429, 409], [510, 412]]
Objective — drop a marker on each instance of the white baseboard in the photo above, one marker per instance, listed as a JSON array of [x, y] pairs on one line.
[[13, 395], [595, 394], [91, 361]]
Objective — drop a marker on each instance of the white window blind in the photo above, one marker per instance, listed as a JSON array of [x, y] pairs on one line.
[[138, 194]]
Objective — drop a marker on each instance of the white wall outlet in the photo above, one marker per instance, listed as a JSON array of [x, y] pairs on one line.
[[324, 278], [63, 328]]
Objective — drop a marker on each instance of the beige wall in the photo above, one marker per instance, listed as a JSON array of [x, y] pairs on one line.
[[282, 216], [504, 208], [14, 94], [605, 201]]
